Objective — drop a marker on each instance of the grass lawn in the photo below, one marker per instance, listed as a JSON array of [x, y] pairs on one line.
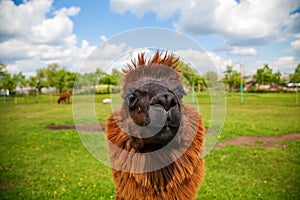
[[36, 163]]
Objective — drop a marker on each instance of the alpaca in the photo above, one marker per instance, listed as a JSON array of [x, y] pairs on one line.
[[155, 141], [65, 97]]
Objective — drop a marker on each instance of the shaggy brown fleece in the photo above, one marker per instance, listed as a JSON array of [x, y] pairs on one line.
[[178, 180]]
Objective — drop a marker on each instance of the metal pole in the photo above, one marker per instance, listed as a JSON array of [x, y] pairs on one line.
[[4, 97], [241, 84], [36, 95], [297, 99]]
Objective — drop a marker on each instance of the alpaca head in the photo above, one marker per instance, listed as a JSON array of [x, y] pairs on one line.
[[152, 93]]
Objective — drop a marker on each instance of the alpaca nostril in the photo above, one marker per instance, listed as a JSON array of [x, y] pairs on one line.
[[166, 100]]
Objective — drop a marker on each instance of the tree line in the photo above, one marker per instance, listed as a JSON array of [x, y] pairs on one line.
[[63, 80], [263, 76], [55, 76]]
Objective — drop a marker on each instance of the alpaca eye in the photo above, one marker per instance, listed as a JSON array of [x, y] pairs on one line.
[[180, 94], [131, 98]]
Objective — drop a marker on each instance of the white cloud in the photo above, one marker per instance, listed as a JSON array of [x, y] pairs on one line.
[[72, 11], [242, 51], [15, 49], [103, 38], [204, 61], [30, 40], [295, 45], [163, 9], [284, 64], [42, 40], [56, 30], [16, 21], [245, 23], [289, 63], [106, 56]]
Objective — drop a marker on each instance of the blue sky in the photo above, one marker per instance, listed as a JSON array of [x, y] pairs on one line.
[[254, 32]]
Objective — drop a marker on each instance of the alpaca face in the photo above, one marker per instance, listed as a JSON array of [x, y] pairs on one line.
[[157, 108], [152, 92]]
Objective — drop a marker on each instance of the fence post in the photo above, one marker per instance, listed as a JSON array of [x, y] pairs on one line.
[[4, 97], [297, 98], [241, 84]]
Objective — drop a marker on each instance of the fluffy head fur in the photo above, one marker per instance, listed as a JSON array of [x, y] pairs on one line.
[[153, 90]]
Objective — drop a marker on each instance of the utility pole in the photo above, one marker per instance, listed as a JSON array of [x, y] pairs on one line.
[[241, 84], [297, 98], [4, 97]]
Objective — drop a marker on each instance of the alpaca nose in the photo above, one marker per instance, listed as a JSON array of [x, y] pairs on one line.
[[167, 101]]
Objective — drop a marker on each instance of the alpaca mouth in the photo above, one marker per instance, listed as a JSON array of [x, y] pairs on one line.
[[162, 138], [166, 134]]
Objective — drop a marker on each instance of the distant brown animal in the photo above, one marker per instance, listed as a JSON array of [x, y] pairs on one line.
[[155, 141], [65, 97]]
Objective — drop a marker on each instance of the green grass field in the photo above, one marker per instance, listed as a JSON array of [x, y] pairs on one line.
[[36, 163]]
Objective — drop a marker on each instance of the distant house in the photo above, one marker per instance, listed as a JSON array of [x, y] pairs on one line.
[[293, 86], [250, 84]]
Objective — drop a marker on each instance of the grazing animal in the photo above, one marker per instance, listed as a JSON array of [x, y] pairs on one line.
[[65, 97], [155, 141]]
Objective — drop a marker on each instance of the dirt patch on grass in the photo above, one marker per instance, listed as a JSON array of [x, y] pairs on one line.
[[6, 187], [251, 141], [81, 127]]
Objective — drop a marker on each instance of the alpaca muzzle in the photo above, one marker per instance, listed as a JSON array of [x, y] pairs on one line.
[[157, 113]]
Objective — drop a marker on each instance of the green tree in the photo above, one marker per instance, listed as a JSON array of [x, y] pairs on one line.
[[95, 78], [192, 76], [211, 76], [107, 79], [232, 78], [51, 77], [32, 81], [70, 79], [277, 78], [47, 77], [60, 78], [295, 78], [228, 71], [51, 74], [19, 80], [90, 79], [264, 75], [112, 79], [3, 73], [2, 69], [40, 79], [8, 83], [65, 80], [117, 76]]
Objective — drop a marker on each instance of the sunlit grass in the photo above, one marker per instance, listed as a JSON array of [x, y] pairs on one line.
[[36, 163]]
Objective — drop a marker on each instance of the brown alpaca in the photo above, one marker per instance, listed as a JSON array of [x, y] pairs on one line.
[[65, 97], [166, 165]]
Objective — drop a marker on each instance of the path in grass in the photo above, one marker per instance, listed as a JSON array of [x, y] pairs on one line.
[[80, 127], [246, 141], [260, 141]]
